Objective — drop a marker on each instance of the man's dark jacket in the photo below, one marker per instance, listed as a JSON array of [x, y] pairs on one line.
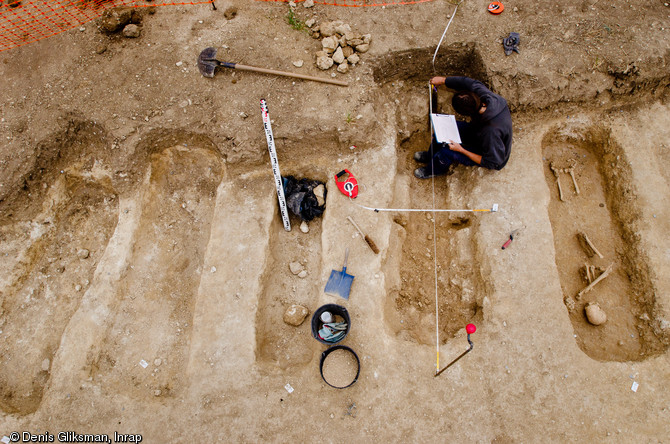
[[493, 129]]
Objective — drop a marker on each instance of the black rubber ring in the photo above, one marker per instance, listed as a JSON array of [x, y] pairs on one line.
[[338, 347]]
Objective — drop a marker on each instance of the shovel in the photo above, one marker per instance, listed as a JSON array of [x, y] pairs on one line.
[[207, 64], [339, 283]]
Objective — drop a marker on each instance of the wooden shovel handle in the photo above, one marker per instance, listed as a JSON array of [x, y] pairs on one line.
[[288, 74]]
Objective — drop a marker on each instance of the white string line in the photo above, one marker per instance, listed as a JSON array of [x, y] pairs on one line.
[[437, 315], [445, 32]]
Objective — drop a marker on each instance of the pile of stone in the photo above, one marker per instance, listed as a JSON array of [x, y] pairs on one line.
[[125, 20], [340, 45]]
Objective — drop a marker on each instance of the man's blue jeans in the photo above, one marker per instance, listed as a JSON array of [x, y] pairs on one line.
[[443, 157]]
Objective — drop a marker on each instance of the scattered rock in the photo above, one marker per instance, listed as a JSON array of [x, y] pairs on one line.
[[304, 227], [298, 63], [595, 314], [158, 362], [328, 28], [363, 48], [115, 19], [45, 364], [342, 41], [353, 59], [343, 68], [347, 51], [367, 38], [230, 13], [131, 31], [342, 28], [100, 48], [338, 57], [83, 253], [329, 44], [77, 287], [308, 3], [302, 274], [157, 392], [324, 62], [349, 36], [310, 22], [295, 315], [295, 267], [319, 192]]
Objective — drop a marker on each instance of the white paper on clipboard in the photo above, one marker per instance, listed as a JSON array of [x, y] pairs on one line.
[[445, 128]]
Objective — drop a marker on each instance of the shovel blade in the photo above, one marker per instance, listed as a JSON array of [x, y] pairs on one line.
[[339, 284], [207, 63]]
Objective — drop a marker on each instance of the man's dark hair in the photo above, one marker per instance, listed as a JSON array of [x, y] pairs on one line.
[[466, 103]]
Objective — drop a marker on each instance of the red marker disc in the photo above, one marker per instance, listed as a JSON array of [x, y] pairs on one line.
[[470, 328], [496, 7]]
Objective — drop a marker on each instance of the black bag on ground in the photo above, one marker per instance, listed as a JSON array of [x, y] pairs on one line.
[[300, 197]]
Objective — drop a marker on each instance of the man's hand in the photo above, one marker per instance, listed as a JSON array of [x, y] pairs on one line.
[[453, 146], [476, 158], [438, 80]]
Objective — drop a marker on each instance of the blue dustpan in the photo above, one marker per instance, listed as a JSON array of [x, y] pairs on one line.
[[339, 283]]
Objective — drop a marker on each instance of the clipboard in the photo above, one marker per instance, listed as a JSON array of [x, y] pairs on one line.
[[445, 128]]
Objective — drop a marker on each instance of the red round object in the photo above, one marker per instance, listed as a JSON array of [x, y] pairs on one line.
[[496, 7], [348, 186], [470, 328]]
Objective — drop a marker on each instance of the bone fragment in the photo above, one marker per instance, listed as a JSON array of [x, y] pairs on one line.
[[589, 278], [596, 271], [556, 172], [593, 284], [587, 245], [571, 171]]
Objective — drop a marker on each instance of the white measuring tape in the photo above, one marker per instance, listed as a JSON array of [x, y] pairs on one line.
[[493, 209], [275, 165]]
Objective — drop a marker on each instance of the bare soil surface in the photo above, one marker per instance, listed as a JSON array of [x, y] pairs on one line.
[[145, 270]]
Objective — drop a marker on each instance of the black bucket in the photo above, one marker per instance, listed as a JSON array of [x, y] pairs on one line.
[[335, 379], [335, 310]]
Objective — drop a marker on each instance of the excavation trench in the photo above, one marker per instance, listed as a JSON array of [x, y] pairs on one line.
[[54, 228], [156, 296], [47, 285], [606, 210], [292, 275], [413, 295]]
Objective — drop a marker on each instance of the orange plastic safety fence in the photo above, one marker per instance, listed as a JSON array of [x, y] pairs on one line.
[[23, 22], [358, 3]]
